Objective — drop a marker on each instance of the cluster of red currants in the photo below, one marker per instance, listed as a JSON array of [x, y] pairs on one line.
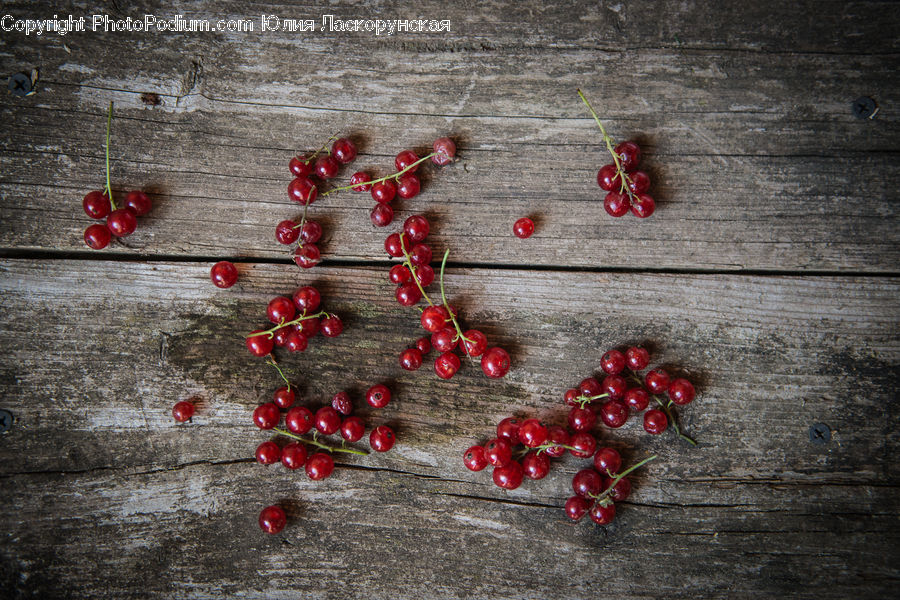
[[296, 320], [598, 488], [412, 276], [626, 186], [99, 204], [623, 390]]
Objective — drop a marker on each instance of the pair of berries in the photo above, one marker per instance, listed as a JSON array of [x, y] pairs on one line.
[[296, 321]]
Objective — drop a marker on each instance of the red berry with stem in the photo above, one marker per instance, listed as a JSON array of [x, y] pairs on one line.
[[613, 362], [266, 416], [637, 358], [495, 362], [475, 343], [637, 399], [293, 455], [584, 444], [621, 490], [508, 429], [139, 202], [307, 298], [299, 420], [296, 341], [614, 413], [602, 515], [382, 438], [268, 453], [384, 191], [509, 476], [260, 345], [319, 466], [616, 204], [308, 327], [425, 275], [302, 190], [615, 386], [411, 359], [327, 420], [326, 167], [523, 228], [587, 482], [590, 387], [657, 381], [582, 419], [284, 397], [183, 411], [281, 335], [416, 228], [272, 519], [96, 205], [378, 396], [608, 178], [307, 256], [576, 507], [223, 274], [629, 155], [280, 309], [360, 181], [399, 274], [475, 459], [286, 233], [405, 159], [420, 254], [341, 403], [408, 294], [557, 435], [300, 167], [655, 421], [533, 433], [97, 236], [343, 150], [435, 318], [445, 149], [681, 391], [424, 345], [121, 222], [607, 460], [393, 246], [444, 340], [569, 397], [352, 429], [446, 365], [381, 215], [643, 206], [498, 452], [536, 466], [332, 326], [640, 182], [408, 186], [311, 232]]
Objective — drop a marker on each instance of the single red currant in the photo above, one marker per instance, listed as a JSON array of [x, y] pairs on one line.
[[444, 340], [637, 399], [399, 274], [293, 455], [435, 318], [498, 452], [307, 299], [332, 326], [405, 159], [608, 178], [183, 411], [657, 381], [268, 453], [296, 341], [629, 155], [584, 444], [343, 150], [272, 519], [360, 181], [640, 183], [281, 335], [582, 419], [284, 397], [341, 403], [384, 191], [96, 205], [615, 386], [445, 149], [577, 507], [536, 466], [607, 461], [260, 345], [557, 435], [408, 294], [300, 167], [602, 515], [327, 420], [311, 232], [590, 387], [425, 275], [587, 482], [681, 391], [533, 433], [280, 309], [382, 438], [307, 256], [446, 365], [614, 413], [420, 254], [302, 190], [319, 466], [121, 222], [139, 202], [613, 362], [523, 228], [408, 186], [655, 421], [424, 345], [416, 228], [352, 429], [495, 362], [411, 359], [616, 204], [378, 396], [508, 429], [569, 397], [308, 326], [299, 420], [621, 490], [643, 206], [474, 458], [97, 236], [286, 233], [509, 476], [474, 343], [266, 416], [637, 358], [326, 167], [381, 215], [393, 246]]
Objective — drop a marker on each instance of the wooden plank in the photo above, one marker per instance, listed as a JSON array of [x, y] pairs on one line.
[[110, 497]]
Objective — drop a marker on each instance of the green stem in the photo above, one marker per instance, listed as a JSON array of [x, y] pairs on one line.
[[624, 178], [109, 193], [412, 269], [303, 218], [271, 361], [548, 445], [385, 178], [602, 496], [318, 444], [317, 152], [301, 318], [583, 400], [459, 332], [671, 416]]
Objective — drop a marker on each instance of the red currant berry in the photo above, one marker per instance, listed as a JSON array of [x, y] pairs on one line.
[[382, 438], [637, 399], [681, 391], [408, 186], [474, 458], [536, 466], [445, 151], [300, 167], [657, 381], [281, 335], [643, 206], [280, 309], [183, 411], [341, 403], [655, 421], [327, 420], [411, 359], [378, 396], [582, 419], [446, 365], [286, 233], [96, 205], [266, 416], [608, 178], [435, 318], [326, 167], [577, 507], [311, 232], [268, 453], [615, 386], [621, 490], [629, 155], [307, 256], [307, 299], [508, 429], [260, 345], [352, 429], [424, 345], [298, 420], [420, 254], [557, 435], [332, 326], [425, 275], [319, 466], [444, 340], [399, 274], [613, 362], [475, 343], [284, 397], [416, 228], [408, 294], [587, 482], [302, 190], [393, 246], [381, 215], [360, 181], [405, 159], [602, 515], [296, 341], [272, 519], [614, 413], [495, 362], [97, 236], [616, 204], [640, 183], [533, 433], [343, 150], [607, 460], [569, 397], [308, 326], [584, 444], [384, 191], [498, 452], [637, 358], [590, 387], [509, 476], [121, 222], [293, 455], [523, 228], [139, 202]]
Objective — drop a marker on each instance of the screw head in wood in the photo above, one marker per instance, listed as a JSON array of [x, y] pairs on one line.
[[6, 421], [19, 84], [820, 433], [864, 108]]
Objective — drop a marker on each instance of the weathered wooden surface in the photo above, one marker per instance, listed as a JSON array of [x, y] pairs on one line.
[[758, 164]]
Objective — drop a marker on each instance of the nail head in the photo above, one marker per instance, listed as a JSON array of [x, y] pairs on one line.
[[20, 84], [6, 421], [820, 433], [864, 107]]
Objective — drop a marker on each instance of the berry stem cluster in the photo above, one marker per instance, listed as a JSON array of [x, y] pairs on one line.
[[318, 444]]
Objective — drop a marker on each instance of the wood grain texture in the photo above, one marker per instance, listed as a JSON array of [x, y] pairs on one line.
[[95, 467]]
